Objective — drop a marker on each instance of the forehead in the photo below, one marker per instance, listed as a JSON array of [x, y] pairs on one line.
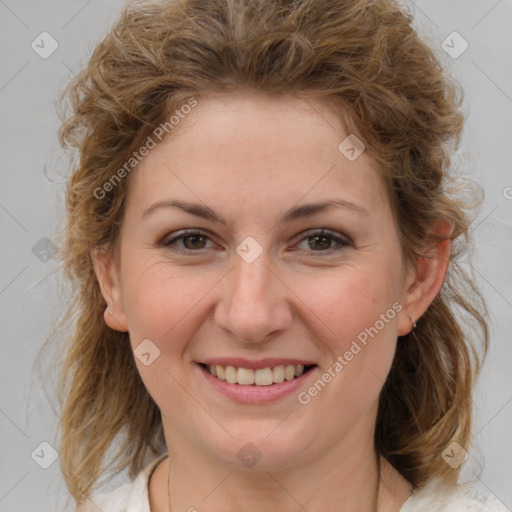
[[252, 149]]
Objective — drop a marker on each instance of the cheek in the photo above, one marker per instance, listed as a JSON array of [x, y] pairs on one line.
[[161, 301], [350, 299], [359, 307], [163, 305]]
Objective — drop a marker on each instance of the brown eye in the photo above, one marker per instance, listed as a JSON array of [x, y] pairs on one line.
[[324, 241], [320, 242], [194, 241], [187, 242]]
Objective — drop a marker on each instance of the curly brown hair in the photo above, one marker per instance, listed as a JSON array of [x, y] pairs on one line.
[[367, 59]]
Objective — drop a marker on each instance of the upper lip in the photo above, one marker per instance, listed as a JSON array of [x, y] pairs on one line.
[[240, 362]]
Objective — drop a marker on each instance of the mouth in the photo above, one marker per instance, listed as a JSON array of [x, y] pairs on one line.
[[257, 377]]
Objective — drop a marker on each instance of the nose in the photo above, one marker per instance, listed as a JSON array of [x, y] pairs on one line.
[[254, 302]]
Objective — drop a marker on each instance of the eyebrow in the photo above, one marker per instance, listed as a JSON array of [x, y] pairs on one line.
[[297, 212]]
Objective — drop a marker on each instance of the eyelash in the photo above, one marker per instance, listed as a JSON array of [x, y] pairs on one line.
[[343, 242]]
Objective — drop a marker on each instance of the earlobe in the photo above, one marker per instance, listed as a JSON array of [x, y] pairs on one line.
[[113, 322], [108, 280], [424, 283]]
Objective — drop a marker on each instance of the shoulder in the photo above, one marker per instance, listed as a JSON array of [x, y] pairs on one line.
[[116, 500], [436, 496], [130, 497]]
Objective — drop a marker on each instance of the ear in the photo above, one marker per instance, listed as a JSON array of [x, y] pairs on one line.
[[425, 279], [107, 275]]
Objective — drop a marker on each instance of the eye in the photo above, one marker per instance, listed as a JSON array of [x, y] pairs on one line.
[[192, 240], [322, 241]]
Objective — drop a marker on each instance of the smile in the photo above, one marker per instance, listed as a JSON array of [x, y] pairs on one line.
[[257, 377], [256, 382]]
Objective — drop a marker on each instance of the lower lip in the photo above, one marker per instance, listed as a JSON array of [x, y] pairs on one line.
[[256, 394]]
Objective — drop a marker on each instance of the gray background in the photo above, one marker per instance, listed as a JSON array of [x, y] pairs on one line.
[[31, 193]]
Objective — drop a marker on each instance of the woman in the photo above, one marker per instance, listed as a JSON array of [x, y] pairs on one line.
[[264, 257]]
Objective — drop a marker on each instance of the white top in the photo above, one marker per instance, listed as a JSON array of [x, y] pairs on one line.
[[433, 497]]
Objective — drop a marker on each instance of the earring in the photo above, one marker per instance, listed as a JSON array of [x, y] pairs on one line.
[[413, 323]]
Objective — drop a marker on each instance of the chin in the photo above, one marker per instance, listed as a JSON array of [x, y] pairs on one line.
[[263, 445]]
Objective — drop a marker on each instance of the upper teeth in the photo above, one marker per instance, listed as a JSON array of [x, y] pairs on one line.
[[260, 377]]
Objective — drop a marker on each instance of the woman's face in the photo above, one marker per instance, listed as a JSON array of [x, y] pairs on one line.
[[257, 286]]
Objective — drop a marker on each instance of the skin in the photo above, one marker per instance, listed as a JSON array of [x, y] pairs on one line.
[[251, 158]]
